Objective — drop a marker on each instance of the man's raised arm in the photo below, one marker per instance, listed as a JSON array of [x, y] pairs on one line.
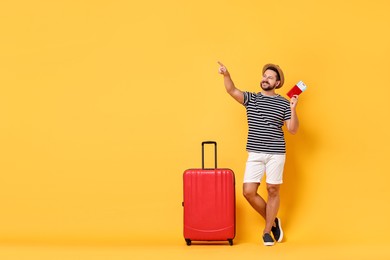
[[229, 85]]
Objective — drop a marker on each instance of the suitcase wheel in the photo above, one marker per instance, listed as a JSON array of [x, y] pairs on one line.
[[230, 241], [188, 241]]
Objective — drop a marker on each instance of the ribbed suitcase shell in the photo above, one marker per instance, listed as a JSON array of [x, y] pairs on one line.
[[209, 204]]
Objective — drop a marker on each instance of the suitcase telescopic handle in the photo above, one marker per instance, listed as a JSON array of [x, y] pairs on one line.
[[215, 152]]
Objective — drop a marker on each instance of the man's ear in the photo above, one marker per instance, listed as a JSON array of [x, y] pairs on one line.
[[278, 83]]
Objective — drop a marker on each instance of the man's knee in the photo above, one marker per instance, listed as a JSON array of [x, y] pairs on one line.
[[273, 190], [250, 190]]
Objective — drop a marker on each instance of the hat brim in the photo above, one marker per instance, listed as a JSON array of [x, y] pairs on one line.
[[278, 69]]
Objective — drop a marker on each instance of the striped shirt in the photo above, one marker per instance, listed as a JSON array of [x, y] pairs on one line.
[[266, 116]]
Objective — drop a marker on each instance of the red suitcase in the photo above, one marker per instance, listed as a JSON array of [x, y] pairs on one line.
[[209, 203]]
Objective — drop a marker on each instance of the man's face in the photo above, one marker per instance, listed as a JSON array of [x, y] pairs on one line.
[[269, 81]]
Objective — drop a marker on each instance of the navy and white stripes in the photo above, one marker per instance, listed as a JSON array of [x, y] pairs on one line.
[[266, 116]]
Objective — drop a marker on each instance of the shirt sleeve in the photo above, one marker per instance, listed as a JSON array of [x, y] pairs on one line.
[[247, 96]]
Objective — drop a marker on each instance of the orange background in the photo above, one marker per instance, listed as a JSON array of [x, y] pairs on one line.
[[104, 104]]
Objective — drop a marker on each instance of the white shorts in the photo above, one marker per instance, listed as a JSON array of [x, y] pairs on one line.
[[260, 163]]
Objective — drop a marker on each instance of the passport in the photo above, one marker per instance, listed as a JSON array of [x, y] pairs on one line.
[[297, 89]]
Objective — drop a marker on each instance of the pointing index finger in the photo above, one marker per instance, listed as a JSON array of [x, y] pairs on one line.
[[221, 64]]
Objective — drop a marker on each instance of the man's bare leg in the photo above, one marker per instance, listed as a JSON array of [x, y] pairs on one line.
[[254, 199], [272, 207]]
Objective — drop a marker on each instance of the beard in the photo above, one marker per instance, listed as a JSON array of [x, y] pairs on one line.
[[266, 86]]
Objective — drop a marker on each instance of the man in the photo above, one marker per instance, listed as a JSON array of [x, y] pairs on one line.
[[267, 112]]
